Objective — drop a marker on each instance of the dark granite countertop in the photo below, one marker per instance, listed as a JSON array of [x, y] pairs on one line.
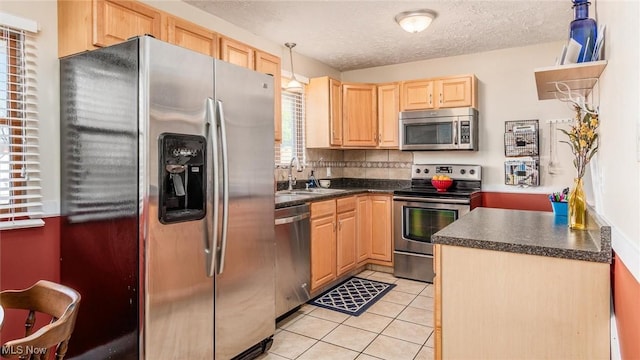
[[529, 232], [348, 186]]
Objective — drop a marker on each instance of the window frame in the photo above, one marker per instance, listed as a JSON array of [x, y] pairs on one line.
[[21, 197], [298, 128]]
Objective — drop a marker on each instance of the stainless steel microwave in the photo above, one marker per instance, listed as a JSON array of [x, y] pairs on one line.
[[443, 129]]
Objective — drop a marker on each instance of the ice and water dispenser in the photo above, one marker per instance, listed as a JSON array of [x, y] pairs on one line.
[[182, 177]]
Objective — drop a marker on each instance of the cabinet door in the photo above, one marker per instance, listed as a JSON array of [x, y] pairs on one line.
[[346, 242], [381, 242], [363, 245], [417, 95], [454, 92], [437, 307], [115, 21], [335, 111], [388, 108], [323, 251], [270, 64], [359, 119], [236, 53], [191, 36]]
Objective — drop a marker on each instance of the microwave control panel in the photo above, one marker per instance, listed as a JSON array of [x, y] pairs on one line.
[[465, 132]]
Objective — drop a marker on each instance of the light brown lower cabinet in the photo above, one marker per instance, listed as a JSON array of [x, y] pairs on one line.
[[363, 247], [323, 243], [349, 232], [381, 230], [346, 235], [501, 305]]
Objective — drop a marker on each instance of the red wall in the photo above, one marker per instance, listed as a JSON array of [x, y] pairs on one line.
[[626, 302], [26, 256], [516, 201]]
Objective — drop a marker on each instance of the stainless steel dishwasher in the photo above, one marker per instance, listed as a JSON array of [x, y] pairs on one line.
[[293, 253]]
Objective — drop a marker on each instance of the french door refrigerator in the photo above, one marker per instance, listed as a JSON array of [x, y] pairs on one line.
[[167, 202]]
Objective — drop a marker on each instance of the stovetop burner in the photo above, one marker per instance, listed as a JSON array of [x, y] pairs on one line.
[[467, 180]]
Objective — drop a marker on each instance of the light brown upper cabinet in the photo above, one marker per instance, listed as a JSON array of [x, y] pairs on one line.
[[84, 25], [236, 53], [388, 108], [190, 36], [417, 94], [359, 115], [270, 64], [447, 92], [115, 21], [244, 55], [456, 92], [324, 113]]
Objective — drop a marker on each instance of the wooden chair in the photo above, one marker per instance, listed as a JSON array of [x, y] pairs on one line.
[[58, 301]]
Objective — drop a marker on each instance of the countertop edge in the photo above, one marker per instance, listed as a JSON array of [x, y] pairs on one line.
[[600, 235], [322, 197]]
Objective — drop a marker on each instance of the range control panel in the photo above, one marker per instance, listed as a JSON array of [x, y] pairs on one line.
[[456, 172]]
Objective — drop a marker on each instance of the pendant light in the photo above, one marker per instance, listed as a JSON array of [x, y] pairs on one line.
[[415, 21], [293, 85]]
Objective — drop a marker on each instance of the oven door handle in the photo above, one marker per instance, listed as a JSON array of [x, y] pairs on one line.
[[432, 200]]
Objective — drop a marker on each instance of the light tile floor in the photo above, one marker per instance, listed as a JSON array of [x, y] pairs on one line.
[[399, 326]]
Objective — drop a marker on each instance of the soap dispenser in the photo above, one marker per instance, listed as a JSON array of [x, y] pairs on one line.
[[312, 180]]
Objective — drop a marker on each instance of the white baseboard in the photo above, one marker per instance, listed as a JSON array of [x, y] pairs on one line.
[[615, 344]]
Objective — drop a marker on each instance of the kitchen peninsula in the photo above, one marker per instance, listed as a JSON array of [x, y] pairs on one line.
[[520, 284]]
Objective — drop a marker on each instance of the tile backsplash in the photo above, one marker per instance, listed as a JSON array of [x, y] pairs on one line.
[[359, 164]]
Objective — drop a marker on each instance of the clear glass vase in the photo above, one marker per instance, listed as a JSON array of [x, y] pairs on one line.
[[577, 206], [583, 30]]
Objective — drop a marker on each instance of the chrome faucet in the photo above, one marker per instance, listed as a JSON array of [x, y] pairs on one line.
[[292, 180]]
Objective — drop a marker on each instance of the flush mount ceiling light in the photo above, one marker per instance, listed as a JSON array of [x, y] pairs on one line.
[[293, 85], [415, 21]]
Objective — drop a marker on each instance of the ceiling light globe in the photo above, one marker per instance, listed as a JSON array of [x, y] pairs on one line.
[[294, 86], [414, 21]]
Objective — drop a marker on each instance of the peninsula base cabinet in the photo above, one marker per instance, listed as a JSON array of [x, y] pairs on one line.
[[501, 305]]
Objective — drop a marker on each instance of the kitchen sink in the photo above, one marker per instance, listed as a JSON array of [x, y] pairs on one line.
[[310, 192], [303, 194]]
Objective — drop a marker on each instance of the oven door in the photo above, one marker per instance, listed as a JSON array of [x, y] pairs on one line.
[[416, 219]]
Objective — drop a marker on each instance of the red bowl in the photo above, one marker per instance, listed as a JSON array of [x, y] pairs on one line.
[[441, 185]]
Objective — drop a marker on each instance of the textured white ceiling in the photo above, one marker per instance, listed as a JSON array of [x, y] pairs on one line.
[[350, 35]]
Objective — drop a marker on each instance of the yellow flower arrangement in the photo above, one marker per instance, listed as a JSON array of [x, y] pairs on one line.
[[583, 138]]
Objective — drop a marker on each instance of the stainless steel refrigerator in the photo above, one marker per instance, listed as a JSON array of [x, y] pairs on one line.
[[167, 202]]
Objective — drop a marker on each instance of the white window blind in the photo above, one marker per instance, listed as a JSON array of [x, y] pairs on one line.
[[20, 188], [292, 129]]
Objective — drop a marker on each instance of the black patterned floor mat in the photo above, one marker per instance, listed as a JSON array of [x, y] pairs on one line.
[[353, 296]]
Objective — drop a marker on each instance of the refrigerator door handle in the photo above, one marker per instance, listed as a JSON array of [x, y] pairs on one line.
[[211, 239], [225, 186]]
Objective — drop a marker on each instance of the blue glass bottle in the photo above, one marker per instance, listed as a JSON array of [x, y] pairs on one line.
[[583, 29]]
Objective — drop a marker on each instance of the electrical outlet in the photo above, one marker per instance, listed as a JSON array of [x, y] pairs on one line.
[[328, 172]]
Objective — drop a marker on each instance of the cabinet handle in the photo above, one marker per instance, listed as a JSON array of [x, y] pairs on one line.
[[339, 225], [380, 138], [334, 226], [440, 98], [430, 99]]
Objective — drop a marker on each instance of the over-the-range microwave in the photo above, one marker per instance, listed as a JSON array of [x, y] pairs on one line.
[[443, 129]]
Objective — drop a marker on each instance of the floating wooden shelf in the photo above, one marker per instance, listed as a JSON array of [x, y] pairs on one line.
[[580, 78]]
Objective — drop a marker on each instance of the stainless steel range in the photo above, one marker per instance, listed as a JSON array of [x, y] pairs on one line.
[[421, 210]]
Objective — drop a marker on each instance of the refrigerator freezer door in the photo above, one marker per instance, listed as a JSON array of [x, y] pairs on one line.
[[244, 287], [179, 304]]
